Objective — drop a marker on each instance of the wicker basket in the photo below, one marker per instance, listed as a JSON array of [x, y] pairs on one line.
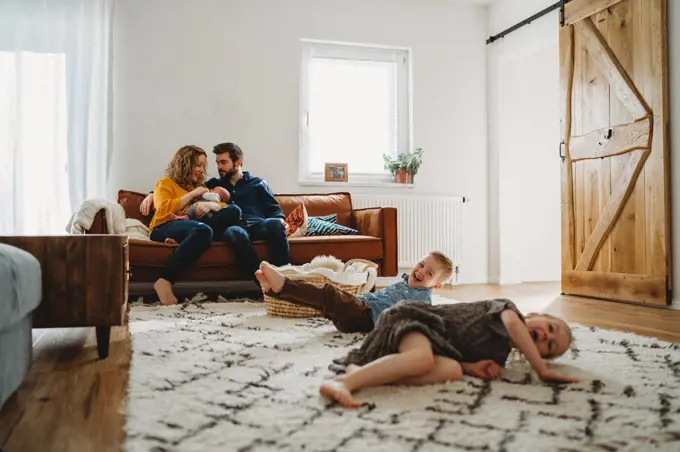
[[280, 308]]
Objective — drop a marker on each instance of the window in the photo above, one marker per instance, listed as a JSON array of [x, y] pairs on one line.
[[354, 108], [33, 178]]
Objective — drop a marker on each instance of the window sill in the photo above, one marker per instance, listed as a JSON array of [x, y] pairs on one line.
[[321, 183]]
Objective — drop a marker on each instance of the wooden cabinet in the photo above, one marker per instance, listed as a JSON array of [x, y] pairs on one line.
[[84, 281]]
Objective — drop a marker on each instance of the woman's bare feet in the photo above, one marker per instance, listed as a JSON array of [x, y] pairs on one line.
[[336, 390], [163, 289], [273, 278]]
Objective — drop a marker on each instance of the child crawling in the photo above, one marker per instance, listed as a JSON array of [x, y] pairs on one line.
[[414, 343], [357, 314]]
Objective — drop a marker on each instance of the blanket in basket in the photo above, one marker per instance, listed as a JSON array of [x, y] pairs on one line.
[[356, 276]]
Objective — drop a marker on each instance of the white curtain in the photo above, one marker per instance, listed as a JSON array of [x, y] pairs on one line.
[[55, 110]]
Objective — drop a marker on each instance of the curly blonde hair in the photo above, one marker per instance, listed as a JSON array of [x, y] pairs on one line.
[[182, 165]]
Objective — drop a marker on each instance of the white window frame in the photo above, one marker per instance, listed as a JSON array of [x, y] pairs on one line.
[[354, 51]]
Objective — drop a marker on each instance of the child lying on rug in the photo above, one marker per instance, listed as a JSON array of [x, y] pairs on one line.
[[414, 343], [357, 314], [217, 194]]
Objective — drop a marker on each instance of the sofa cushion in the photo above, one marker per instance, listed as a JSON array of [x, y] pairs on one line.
[[344, 247], [20, 284], [317, 227], [15, 350], [296, 222], [332, 218], [302, 250], [320, 204]]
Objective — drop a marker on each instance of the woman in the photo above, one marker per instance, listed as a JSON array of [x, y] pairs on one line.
[[173, 195]]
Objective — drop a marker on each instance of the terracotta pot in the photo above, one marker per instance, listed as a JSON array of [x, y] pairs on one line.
[[403, 177]]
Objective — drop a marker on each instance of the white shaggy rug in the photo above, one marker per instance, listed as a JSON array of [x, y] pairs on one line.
[[224, 376]]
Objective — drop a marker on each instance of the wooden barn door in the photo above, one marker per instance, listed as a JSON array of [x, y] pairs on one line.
[[615, 171]]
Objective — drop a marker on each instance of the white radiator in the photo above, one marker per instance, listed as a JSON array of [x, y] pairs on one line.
[[424, 223]]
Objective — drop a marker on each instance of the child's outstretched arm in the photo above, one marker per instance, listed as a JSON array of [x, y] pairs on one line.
[[519, 335]]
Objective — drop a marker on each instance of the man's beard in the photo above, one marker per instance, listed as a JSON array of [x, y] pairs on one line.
[[228, 174]]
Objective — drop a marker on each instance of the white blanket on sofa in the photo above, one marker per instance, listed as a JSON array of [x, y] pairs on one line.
[[114, 215], [136, 229]]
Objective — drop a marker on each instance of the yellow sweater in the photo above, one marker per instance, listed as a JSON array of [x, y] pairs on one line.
[[166, 199]]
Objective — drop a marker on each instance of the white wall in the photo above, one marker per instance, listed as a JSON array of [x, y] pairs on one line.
[[209, 71], [524, 168]]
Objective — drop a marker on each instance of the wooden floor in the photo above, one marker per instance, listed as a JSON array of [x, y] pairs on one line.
[[71, 401]]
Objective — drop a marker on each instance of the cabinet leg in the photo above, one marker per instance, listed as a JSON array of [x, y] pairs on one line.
[[103, 337]]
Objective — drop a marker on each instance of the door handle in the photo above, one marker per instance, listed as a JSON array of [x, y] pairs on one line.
[[561, 154]]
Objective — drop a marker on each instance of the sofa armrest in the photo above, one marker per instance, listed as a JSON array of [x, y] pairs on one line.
[[99, 224], [381, 222]]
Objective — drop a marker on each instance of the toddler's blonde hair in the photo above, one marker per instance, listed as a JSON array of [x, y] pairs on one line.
[[445, 263]]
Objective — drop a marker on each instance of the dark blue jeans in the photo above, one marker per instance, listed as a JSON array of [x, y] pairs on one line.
[[194, 239], [224, 218], [271, 230]]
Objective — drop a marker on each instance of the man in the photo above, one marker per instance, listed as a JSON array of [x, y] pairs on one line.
[[261, 214]]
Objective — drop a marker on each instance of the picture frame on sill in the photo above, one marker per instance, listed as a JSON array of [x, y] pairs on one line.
[[336, 172]]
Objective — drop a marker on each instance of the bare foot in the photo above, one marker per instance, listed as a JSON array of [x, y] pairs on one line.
[[336, 390], [351, 368], [170, 241], [263, 281], [163, 289], [275, 280]]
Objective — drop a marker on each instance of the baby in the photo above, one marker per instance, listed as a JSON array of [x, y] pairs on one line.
[[414, 343], [217, 194], [358, 314]]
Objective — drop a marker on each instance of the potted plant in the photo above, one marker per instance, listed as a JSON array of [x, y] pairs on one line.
[[405, 166]]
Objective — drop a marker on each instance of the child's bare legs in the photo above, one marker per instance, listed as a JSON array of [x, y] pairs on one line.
[[270, 278], [445, 369], [414, 359], [352, 368], [170, 241]]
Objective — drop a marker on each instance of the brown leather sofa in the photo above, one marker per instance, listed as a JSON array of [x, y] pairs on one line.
[[377, 242]]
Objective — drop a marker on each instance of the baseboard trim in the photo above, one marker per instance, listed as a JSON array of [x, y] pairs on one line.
[[509, 282]]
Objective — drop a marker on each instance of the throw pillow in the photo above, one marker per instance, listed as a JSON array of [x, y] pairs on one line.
[[317, 227], [332, 218], [296, 222]]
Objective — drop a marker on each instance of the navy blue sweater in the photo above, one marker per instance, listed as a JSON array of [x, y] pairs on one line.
[[252, 195]]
